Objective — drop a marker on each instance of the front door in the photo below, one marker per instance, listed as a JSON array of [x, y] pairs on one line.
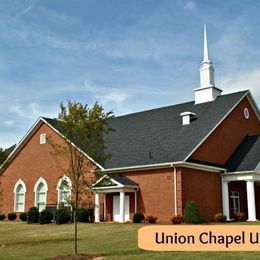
[[116, 208]]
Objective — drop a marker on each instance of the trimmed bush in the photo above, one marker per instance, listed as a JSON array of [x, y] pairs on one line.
[[240, 216], [85, 215], [63, 215], [151, 219], [12, 216], [177, 219], [2, 217], [138, 217], [23, 216], [191, 213], [45, 217], [33, 215], [219, 217]]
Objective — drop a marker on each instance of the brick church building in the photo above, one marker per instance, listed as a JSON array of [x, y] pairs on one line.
[[206, 150]]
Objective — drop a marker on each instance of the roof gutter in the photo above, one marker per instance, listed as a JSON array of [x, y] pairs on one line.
[[165, 165]]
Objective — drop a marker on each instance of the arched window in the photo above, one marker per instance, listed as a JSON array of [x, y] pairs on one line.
[[19, 196], [64, 190], [40, 190]]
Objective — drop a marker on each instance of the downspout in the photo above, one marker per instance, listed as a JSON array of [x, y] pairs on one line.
[[175, 189], [136, 199]]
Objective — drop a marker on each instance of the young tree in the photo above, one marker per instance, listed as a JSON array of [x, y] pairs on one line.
[[84, 129]]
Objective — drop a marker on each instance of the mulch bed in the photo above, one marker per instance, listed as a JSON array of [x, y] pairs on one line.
[[78, 257]]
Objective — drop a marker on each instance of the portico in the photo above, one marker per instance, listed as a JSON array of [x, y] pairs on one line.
[[120, 187], [252, 180]]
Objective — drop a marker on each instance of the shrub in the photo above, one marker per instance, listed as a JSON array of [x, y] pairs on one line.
[[151, 219], [63, 215], [45, 217], [138, 217], [23, 216], [33, 215], [177, 219], [191, 213], [2, 217], [239, 216], [12, 216], [85, 215], [219, 217]]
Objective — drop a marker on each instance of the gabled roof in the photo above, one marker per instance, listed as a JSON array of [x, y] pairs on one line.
[[247, 155], [30, 133], [115, 181], [158, 136]]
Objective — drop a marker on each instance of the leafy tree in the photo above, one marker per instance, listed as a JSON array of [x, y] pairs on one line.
[[3, 155], [84, 129]]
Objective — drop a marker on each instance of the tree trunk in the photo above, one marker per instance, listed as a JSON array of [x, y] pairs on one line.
[[75, 231]]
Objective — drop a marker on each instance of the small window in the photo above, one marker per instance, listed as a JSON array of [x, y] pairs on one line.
[[246, 113], [42, 138], [235, 205]]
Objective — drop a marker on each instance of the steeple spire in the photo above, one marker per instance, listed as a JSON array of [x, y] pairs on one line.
[[207, 90], [206, 49]]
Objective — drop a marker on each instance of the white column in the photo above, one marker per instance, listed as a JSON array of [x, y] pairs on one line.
[[250, 189], [122, 206], [105, 208], [225, 199], [97, 207], [136, 201]]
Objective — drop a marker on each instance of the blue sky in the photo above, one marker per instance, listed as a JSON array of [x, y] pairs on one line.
[[128, 55]]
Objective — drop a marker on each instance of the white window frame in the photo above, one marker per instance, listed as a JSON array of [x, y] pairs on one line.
[[40, 180], [234, 197], [15, 193], [42, 138], [63, 178]]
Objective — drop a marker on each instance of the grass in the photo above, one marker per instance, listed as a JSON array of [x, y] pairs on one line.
[[114, 241]]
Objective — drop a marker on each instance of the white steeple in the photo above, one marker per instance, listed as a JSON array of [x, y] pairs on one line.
[[206, 49], [207, 90]]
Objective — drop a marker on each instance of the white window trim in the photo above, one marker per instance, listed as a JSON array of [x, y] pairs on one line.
[[40, 180], [66, 178], [15, 189]]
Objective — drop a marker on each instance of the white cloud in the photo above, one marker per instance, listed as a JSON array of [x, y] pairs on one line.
[[190, 5], [25, 11], [242, 81], [108, 95], [30, 111], [8, 122]]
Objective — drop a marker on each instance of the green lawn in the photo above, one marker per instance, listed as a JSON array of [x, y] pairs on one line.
[[115, 241]]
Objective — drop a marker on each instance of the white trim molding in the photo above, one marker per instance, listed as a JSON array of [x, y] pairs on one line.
[[19, 182]]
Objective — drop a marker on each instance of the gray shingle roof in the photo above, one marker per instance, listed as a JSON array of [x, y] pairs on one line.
[[124, 180], [158, 136], [247, 156]]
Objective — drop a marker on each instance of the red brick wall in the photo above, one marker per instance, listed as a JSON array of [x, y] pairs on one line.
[[156, 196], [221, 144], [35, 160], [204, 188]]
